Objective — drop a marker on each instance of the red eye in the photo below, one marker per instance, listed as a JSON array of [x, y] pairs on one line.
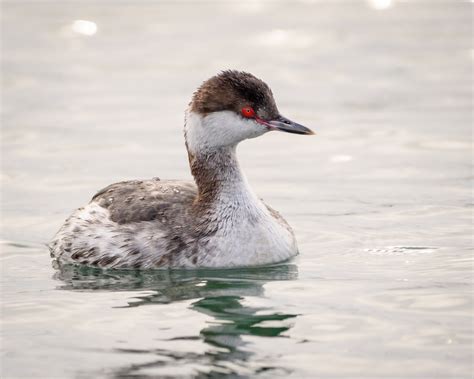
[[248, 112]]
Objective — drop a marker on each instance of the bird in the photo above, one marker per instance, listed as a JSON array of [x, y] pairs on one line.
[[217, 221]]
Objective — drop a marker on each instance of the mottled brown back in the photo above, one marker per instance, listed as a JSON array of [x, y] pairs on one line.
[[147, 200]]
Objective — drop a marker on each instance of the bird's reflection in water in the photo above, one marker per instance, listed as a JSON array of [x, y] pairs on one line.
[[219, 293]]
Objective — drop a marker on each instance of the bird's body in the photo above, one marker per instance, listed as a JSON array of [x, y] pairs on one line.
[[216, 222], [154, 223]]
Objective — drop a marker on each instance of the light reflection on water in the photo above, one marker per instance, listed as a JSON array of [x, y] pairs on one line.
[[381, 4], [380, 198], [88, 28]]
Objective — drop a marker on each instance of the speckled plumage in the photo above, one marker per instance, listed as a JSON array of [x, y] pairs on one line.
[[217, 222]]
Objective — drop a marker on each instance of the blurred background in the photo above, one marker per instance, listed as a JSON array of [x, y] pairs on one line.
[[94, 92]]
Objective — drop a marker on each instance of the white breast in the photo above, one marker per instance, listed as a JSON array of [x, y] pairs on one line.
[[248, 234]]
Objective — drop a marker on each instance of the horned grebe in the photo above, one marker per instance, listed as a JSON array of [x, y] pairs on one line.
[[216, 222]]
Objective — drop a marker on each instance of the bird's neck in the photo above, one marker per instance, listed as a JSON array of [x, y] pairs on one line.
[[218, 176], [220, 181]]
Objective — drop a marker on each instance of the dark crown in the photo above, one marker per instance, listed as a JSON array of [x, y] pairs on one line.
[[231, 91]]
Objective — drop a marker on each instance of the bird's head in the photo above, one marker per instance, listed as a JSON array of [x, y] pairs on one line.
[[230, 107]]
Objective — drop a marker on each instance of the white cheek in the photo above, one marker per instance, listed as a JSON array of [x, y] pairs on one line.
[[218, 129]]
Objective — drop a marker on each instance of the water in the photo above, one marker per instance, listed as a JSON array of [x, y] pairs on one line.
[[380, 199]]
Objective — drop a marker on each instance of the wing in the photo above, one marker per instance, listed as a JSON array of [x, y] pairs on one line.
[[146, 200]]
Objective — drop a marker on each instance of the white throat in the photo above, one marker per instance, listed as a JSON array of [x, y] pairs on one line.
[[205, 133]]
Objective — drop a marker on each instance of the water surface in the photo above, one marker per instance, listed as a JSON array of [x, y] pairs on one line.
[[380, 199]]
